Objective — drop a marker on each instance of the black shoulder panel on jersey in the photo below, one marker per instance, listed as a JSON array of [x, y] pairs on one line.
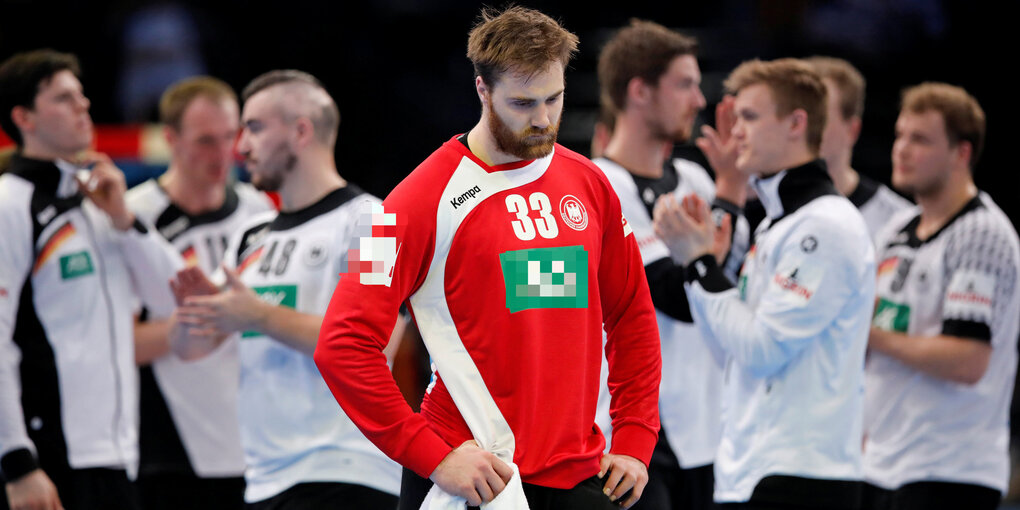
[[250, 237], [866, 188], [970, 330], [173, 214], [335, 198], [666, 285], [804, 184], [910, 230]]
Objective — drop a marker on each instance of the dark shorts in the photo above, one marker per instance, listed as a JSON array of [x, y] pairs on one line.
[[781, 492], [174, 491], [587, 495], [92, 489], [671, 487], [931, 496], [327, 495]]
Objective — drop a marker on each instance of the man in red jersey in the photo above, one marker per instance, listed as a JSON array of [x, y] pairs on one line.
[[512, 253]]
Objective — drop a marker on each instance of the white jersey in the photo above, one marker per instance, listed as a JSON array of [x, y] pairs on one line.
[[794, 332], [877, 204], [961, 282], [292, 429], [690, 389], [200, 396]]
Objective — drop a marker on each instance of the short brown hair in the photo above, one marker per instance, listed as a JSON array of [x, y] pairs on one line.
[[642, 50], [794, 85], [177, 98], [324, 115], [963, 116], [848, 79], [20, 79], [517, 39]]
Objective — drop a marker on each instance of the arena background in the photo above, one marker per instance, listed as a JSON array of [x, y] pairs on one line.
[[398, 71]]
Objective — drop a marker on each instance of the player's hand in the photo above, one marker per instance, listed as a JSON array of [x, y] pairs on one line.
[[33, 491], [623, 473], [105, 186], [720, 149], [235, 308], [686, 228], [472, 473], [191, 282]]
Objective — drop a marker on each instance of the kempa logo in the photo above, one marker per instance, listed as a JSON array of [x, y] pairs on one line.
[[545, 278], [464, 197]]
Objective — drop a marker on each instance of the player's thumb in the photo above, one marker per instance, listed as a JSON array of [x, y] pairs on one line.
[[233, 280]]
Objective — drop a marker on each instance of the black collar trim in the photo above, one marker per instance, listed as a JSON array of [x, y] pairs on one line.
[[800, 185], [173, 213], [43, 174], [335, 198], [866, 188], [908, 235]]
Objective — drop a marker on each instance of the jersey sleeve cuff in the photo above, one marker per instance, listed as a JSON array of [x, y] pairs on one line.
[[724, 205], [972, 330], [425, 454], [634, 441], [18, 463], [707, 272]]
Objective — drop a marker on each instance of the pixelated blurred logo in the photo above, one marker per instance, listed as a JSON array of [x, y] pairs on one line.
[[75, 265], [573, 212], [891, 316], [373, 254], [545, 278]]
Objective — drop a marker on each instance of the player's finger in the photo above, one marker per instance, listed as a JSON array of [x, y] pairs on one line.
[[635, 495], [502, 469], [626, 483], [615, 475], [607, 460]]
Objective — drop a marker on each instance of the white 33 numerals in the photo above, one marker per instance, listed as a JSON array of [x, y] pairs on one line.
[[523, 226]]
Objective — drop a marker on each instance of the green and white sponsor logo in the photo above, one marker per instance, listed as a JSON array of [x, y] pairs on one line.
[[545, 278], [276, 295], [75, 265], [891, 316]]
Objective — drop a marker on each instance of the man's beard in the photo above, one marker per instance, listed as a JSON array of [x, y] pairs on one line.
[[517, 145], [280, 162]]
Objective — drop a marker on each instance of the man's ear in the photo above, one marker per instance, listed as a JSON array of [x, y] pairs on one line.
[[798, 124], [963, 152], [855, 129], [638, 91], [482, 89], [22, 118], [304, 131]]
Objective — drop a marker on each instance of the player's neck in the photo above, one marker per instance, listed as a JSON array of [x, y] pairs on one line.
[[639, 152], [844, 177], [483, 146], [193, 198], [309, 181], [32, 149], [940, 206]]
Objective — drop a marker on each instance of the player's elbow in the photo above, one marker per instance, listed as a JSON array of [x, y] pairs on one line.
[[969, 373]]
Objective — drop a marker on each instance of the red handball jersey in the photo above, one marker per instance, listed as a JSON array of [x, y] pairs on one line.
[[522, 264]]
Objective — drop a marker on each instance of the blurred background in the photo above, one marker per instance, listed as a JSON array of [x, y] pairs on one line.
[[398, 72]]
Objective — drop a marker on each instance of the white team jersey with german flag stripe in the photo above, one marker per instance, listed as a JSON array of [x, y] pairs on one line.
[[961, 282], [292, 429]]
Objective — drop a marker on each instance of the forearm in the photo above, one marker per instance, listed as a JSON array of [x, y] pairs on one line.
[[16, 458], [955, 359], [152, 340], [152, 262], [297, 330]]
